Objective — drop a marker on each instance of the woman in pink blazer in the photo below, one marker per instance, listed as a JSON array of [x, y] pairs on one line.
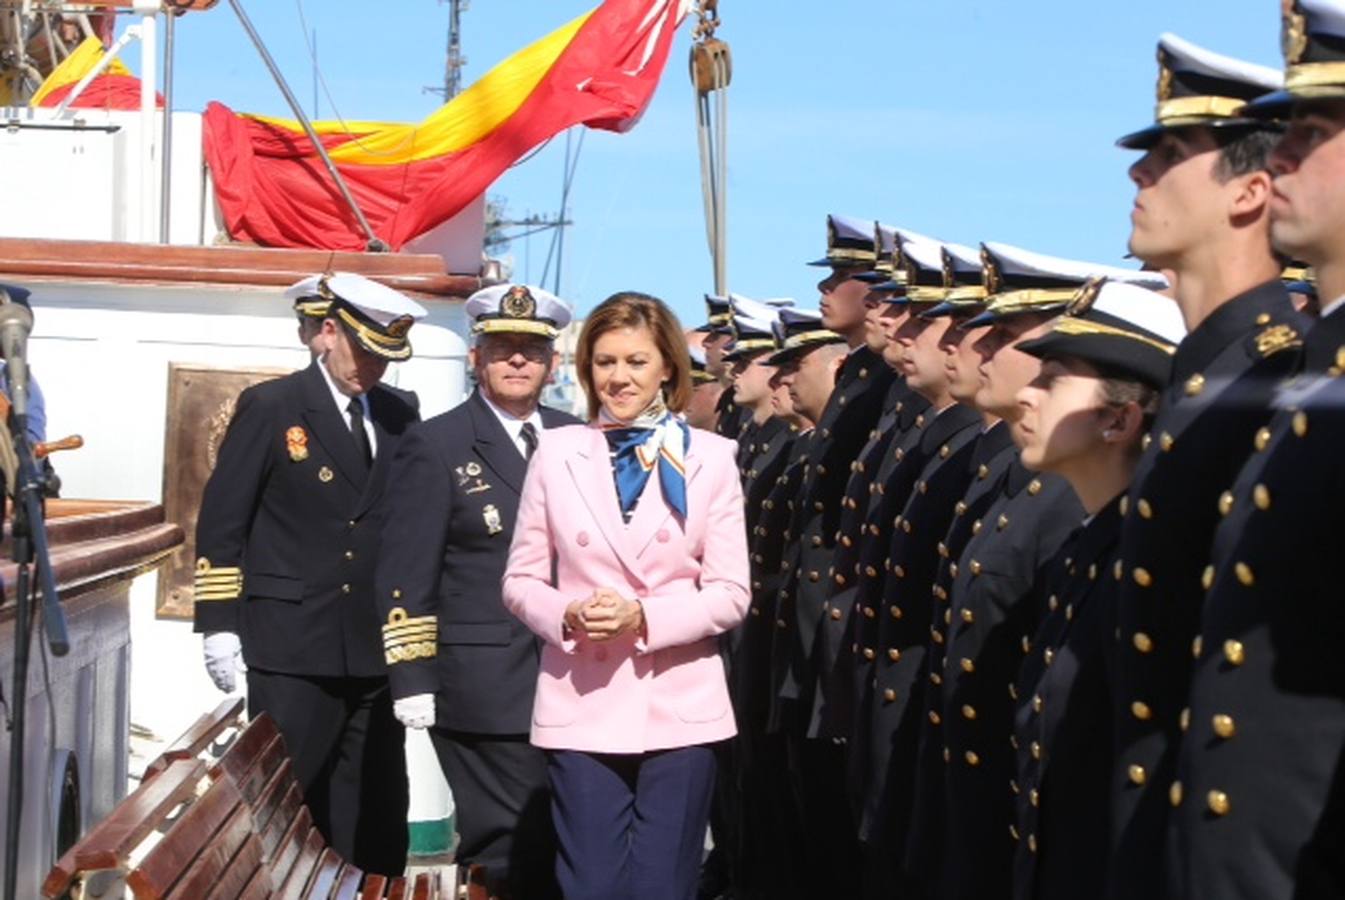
[[629, 559]]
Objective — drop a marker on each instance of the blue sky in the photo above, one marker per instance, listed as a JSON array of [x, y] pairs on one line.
[[967, 120]]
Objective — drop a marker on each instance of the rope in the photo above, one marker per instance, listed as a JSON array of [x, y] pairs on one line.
[[711, 71]]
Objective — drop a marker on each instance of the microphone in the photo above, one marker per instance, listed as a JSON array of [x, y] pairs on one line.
[[16, 322]]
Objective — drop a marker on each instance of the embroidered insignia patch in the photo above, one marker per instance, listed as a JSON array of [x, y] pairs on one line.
[[296, 442], [491, 515]]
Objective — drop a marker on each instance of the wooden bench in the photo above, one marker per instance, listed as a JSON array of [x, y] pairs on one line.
[[235, 829]]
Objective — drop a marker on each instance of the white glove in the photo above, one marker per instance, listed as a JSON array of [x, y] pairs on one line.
[[416, 711], [223, 659]]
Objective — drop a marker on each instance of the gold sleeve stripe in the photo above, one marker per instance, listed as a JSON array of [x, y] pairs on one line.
[[409, 652], [217, 582], [410, 634]]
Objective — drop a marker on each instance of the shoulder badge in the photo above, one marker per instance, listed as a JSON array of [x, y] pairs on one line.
[[1086, 296], [1276, 338], [296, 442]]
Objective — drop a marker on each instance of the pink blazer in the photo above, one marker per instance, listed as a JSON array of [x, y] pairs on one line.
[[627, 695]]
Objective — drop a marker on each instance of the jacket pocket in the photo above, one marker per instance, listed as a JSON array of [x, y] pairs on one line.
[[494, 634], [273, 587]]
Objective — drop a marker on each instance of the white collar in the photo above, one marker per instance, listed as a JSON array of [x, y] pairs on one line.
[[341, 400], [1331, 307], [513, 425]]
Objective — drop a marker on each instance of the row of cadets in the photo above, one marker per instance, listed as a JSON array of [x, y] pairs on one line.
[[771, 856], [845, 406], [1257, 800], [1242, 333], [936, 755], [915, 488]]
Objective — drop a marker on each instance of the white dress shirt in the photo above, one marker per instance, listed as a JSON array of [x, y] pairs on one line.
[[513, 425], [342, 401]]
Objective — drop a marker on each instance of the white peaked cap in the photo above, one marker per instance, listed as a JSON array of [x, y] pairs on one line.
[[1188, 57]]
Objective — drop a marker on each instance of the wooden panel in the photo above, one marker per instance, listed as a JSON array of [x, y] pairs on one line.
[[290, 847], [109, 843], [397, 889], [290, 808], [202, 733], [425, 886], [244, 752], [193, 834], [373, 887], [277, 791], [259, 888], [348, 885], [326, 874], [305, 864], [226, 864], [117, 262]]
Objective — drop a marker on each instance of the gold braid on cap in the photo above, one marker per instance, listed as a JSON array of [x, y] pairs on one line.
[[1070, 325]]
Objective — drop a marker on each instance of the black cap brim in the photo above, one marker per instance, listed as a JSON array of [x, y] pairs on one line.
[[1147, 137], [16, 294], [1114, 356]]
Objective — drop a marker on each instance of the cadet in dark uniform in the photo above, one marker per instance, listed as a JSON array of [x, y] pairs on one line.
[[458, 663], [752, 340], [1242, 334], [287, 539], [719, 315], [898, 564], [1103, 366], [705, 392], [1261, 804], [843, 425]]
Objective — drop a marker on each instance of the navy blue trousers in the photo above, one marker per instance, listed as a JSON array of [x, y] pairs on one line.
[[631, 825]]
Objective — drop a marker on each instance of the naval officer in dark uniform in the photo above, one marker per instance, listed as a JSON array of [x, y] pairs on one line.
[[1244, 335], [1261, 805], [286, 540], [459, 664]]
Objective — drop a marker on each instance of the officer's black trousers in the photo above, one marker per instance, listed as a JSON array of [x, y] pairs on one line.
[[502, 810], [348, 753]]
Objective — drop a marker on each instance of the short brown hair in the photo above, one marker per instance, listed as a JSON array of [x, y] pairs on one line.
[[629, 309]]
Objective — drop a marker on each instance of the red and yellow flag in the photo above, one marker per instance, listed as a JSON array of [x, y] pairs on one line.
[[599, 70]]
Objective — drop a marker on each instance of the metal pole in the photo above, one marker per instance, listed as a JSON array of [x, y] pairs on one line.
[[166, 142], [375, 243], [149, 78]]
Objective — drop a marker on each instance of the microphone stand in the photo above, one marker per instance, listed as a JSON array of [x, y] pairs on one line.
[[28, 531]]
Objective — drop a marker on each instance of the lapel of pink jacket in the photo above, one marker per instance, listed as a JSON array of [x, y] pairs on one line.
[[591, 469]]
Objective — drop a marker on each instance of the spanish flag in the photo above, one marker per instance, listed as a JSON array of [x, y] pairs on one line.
[[599, 70]]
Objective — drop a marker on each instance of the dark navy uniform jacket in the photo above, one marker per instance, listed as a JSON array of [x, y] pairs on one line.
[[894, 648], [449, 518], [991, 459], [994, 609], [291, 510], [852, 411], [1260, 811], [1225, 373], [1063, 724]]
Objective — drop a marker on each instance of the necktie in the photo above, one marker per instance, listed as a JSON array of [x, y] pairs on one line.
[[529, 434], [356, 410]]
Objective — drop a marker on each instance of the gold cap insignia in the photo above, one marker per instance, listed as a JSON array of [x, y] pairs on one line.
[[519, 303], [399, 326], [949, 278], [1293, 33], [1083, 301], [1165, 76], [990, 273]]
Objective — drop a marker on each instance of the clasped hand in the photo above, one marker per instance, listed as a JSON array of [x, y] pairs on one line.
[[604, 615]]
